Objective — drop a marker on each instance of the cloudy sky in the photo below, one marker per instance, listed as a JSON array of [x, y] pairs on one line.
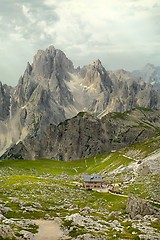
[[121, 33]]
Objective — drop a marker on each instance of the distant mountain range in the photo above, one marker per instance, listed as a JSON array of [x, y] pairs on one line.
[[150, 74], [51, 90]]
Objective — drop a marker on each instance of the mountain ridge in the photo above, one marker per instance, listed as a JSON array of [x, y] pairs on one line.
[[150, 74], [51, 90], [86, 135]]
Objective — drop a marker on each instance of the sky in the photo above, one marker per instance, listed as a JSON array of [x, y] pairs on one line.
[[121, 33]]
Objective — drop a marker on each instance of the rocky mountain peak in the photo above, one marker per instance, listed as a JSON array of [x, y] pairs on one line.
[[51, 49], [96, 66], [5, 93], [51, 91], [51, 61], [28, 68], [48, 72], [150, 74], [149, 65], [97, 63], [95, 72]]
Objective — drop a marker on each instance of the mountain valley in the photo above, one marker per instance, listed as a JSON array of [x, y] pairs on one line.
[[60, 123], [53, 190]]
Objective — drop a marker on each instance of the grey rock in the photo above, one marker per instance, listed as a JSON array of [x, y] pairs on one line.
[[86, 236], [51, 90], [86, 221], [5, 98], [25, 223], [5, 209], [86, 210], [25, 235], [37, 205], [137, 206], [30, 209], [147, 232], [149, 73], [86, 135], [150, 165], [47, 216], [2, 217], [116, 225], [148, 237], [15, 200], [6, 232]]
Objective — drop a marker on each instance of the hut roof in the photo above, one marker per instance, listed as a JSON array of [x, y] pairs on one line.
[[92, 178]]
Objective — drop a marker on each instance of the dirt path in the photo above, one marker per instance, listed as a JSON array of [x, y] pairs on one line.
[[48, 230]]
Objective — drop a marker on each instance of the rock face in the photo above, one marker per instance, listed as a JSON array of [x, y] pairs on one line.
[[150, 74], [86, 135], [6, 232], [150, 164], [38, 99], [129, 93], [137, 206], [51, 90], [5, 98]]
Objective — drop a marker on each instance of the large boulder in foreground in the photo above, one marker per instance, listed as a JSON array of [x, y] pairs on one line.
[[137, 206]]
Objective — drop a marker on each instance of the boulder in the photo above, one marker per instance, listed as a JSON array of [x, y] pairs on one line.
[[137, 206], [6, 232]]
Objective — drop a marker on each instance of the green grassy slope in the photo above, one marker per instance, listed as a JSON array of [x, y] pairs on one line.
[[98, 164], [42, 188]]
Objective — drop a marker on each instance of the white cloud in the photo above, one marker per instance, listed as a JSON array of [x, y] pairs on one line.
[[27, 14], [122, 33]]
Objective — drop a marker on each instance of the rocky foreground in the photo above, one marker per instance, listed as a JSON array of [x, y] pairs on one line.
[[127, 208], [141, 222]]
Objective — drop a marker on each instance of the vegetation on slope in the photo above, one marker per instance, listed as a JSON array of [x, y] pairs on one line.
[[48, 188]]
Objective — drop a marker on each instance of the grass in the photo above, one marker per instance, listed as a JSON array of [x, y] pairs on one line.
[[46, 188], [53, 167], [143, 149], [50, 184], [119, 115]]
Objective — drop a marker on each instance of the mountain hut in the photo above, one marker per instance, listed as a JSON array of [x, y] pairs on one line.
[[92, 181]]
